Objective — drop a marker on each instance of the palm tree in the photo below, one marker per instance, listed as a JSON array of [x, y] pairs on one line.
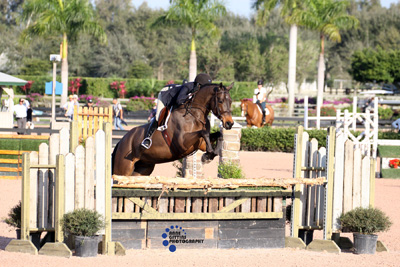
[[63, 18], [327, 17], [264, 8], [196, 14]]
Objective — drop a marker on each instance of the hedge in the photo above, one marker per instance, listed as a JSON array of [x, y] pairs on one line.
[[134, 87], [275, 139], [282, 139]]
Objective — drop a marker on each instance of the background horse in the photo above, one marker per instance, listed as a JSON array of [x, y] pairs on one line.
[[188, 130], [254, 115]]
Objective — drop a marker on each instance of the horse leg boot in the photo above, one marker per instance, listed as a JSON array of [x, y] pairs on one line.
[[146, 143]]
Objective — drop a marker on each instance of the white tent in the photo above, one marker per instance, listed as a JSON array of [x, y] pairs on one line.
[[6, 114]]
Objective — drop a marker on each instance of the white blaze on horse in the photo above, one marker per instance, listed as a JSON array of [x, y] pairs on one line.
[[254, 114]]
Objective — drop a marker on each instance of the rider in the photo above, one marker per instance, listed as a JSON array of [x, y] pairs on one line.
[[173, 95], [260, 97]]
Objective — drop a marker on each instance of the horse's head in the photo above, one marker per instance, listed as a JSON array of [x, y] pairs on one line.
[[244, 106], [221, 105]]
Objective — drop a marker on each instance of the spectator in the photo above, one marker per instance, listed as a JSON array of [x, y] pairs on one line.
[[69, 108], [20, 111], [118, 114], [89, 103], [396, 125], [29, 122]]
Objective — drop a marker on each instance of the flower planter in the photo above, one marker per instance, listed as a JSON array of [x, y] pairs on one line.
[[86, 246], [364, 244]]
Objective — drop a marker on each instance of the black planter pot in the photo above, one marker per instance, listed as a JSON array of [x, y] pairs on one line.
[[86, 246], [364, 244]]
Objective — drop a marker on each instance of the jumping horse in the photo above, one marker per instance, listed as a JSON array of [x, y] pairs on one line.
[[254, 115], [188, 129]]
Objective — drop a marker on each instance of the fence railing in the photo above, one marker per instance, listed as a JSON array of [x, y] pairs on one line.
[[91, 119]]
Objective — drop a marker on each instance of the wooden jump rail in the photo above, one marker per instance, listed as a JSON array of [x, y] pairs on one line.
[[18, 169]]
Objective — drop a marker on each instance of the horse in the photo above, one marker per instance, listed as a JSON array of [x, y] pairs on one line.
[[187, 130], [253, 114]]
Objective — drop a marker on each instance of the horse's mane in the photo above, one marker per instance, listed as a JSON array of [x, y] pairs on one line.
[[211, 84]]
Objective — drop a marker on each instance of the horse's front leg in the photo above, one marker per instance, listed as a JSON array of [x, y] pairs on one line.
[[211, 152]]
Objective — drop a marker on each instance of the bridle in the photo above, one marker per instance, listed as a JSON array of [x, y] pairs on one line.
[[218, 112]]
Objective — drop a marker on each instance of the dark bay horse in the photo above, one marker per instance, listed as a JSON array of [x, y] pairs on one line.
[[253, 114], [188, 130]]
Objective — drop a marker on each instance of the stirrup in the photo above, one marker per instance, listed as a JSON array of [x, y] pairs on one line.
[[146, 146]]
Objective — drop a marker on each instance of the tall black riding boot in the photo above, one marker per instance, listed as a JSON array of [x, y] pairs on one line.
[[263, 117], [146, 143]]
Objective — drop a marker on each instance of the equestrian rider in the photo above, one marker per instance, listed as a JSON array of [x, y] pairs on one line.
[[173, 95], [260, 97]]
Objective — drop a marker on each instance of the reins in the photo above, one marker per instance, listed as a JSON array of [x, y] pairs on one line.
[[190, 104]]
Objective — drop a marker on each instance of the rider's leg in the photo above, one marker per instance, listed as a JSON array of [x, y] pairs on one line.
[[147, 141], [263, 105]]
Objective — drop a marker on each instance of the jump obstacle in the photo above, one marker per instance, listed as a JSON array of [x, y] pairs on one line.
[[59, 181], [350, 183]]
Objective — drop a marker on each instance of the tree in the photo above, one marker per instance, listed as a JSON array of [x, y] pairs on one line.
[[63, 18], [327, 17], [377, 65], [195, 14], [264, 8]]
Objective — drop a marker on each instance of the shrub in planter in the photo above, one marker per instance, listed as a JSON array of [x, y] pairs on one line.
[[14, 217], [84, 224], [364, 223], [14, 220], [230, 170]]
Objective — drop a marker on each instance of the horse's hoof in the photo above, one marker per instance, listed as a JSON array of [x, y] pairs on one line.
[[205, 159]]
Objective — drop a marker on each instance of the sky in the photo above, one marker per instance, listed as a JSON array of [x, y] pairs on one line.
[[239, 7]]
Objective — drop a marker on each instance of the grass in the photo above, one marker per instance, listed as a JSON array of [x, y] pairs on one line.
[[391, 173], [19, 144], [389, 151]]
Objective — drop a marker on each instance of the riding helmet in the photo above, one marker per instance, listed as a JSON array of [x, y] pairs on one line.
[[260, 82], [202, 79]]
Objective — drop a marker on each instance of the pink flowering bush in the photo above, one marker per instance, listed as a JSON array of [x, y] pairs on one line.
[[120, 87], [74, 86]]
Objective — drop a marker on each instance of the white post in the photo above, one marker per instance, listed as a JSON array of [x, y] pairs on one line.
[[292, 67], [375, 125], [345, 124], [354, 113], [54, 58], [367, 138], [53, 98], [306, 112], [212, 120], [338, 121]]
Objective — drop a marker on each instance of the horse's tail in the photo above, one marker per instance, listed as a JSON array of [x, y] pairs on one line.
[[113, 158]]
